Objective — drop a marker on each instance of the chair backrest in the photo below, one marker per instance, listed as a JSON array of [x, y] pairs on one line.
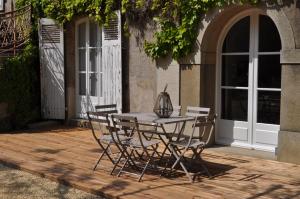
[[100, 117], [126, 123], [131, 125], [206, 128], [200, 114], [176, 111], [193, 111], [108, 109]]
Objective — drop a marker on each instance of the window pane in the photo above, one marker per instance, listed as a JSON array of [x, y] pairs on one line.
[[268, 107], [235, 69], [269, 39], [82, 84], [93, 60], [93, 84], [234, 104], [94, 38], [82, 60], [269, 71], [238, 38], [81, 35]]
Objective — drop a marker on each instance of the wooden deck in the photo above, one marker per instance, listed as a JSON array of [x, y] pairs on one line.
[[68, 155]]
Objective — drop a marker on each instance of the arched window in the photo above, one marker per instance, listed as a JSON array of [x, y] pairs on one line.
[[250, 82]]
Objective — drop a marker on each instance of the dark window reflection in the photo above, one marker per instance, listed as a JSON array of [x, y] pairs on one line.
[[93, 84], [234, 104], [268, 107], [269, 39], [238, 38], [235, 69], [82, 84], [269, 71]]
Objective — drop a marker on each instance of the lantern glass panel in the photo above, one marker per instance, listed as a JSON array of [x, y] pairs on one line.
[[163, 107]]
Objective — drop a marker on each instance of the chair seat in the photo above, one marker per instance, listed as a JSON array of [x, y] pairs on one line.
[[135, 143], [194, 143], [109, 139]]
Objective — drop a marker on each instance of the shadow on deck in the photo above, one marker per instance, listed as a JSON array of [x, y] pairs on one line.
[[67, 155]]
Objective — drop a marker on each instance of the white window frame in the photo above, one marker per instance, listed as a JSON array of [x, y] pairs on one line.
[[99, 97], [252, 85]]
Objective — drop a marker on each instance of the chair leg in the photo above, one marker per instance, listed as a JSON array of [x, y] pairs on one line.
[[167, 164], [146, 166], [116, 163], [127, 159], [155, 150], [105, 151], [179, 160], [101, 156]]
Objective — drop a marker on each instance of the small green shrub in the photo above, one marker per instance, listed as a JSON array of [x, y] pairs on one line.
[[19, 87]]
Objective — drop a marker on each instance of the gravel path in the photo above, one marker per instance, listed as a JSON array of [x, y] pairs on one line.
[[16, 184]]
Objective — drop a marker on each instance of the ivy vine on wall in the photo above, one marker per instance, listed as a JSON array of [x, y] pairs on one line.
[[177, 20]]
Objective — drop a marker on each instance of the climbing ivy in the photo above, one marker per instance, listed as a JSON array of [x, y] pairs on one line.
[[177, 21], [64, 10]]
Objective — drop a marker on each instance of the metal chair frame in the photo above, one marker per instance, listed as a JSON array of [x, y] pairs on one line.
[[101, 117], [191, 142], [138, 147]]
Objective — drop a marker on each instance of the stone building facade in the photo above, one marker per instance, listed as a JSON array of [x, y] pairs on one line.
[[193, 80]]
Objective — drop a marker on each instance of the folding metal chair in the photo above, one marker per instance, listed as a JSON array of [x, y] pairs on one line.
[[99, 120], [139, 148], [193, 142]]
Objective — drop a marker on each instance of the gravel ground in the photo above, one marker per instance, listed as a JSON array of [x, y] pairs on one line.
[[16, 184]]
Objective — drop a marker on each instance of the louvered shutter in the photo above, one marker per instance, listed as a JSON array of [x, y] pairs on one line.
[[52, 69], [112, 62]]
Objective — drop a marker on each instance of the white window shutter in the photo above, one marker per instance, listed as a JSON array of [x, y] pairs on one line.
[[51, 44], [1, 5], [112, 62]]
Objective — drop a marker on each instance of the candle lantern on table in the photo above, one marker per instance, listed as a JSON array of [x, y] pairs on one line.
[[163, 106]]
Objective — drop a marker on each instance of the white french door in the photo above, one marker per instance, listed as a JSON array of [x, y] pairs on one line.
[[249, 85], [89, 74]]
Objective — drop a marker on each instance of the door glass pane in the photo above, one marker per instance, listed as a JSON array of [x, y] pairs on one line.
[[93, 84], [235, 69], [269, 38], [82, 84], [234, 104], [94, 31], [82, 60], [268, 107], [81, 35], [93, 60], [238, 38], [269, 71]]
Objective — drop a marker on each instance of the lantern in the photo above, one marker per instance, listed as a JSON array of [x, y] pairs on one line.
[[163, 106]]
